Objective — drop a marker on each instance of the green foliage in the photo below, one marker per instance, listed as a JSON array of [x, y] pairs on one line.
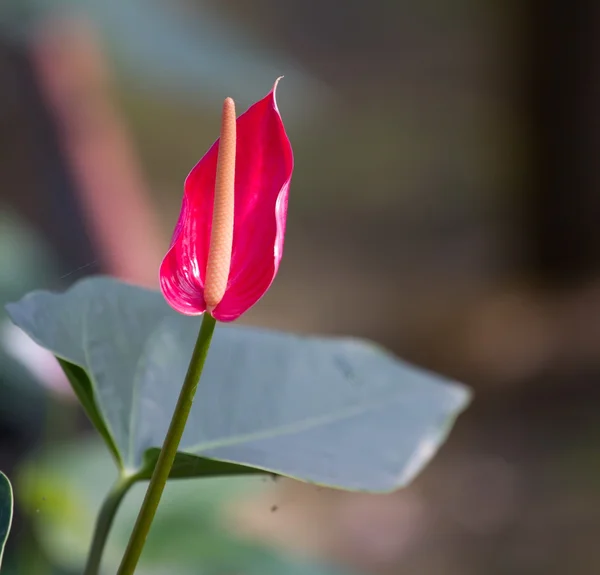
[[62, 492], [6, 511], [336, 412]]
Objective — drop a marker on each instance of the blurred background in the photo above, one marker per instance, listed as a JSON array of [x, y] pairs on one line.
[[445, 203]]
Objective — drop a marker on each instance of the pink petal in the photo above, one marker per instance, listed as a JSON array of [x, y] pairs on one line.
[[264, 164]]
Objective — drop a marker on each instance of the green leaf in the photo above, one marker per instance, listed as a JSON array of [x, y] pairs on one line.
[[336, 412], [6, 511], [62, 491]]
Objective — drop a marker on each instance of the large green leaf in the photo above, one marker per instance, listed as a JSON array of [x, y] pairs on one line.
[[61, 493], [337, 412], [6, 511]]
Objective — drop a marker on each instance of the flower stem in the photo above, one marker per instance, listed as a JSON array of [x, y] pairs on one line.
[[169, 449], [105, 520]]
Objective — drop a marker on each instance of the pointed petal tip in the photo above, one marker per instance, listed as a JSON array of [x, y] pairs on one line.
[[274, 90]]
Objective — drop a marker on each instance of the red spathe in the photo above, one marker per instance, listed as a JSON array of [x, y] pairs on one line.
[[263, 171]]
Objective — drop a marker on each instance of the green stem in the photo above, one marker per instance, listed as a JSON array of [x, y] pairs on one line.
[[169, 449], [105, 520]]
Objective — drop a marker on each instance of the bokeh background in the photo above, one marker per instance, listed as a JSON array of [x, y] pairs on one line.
[[445, 203]]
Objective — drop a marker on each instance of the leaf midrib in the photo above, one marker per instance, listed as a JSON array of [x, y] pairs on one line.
[[294, 428]]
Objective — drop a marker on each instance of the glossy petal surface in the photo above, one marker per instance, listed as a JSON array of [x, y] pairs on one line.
[[262, 178]]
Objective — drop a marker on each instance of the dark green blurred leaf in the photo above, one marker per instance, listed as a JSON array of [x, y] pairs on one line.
[[62, 493], [336, 412], [6, 511], [25, 262]]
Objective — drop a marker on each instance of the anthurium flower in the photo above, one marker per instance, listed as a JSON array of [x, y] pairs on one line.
[[228, 241]]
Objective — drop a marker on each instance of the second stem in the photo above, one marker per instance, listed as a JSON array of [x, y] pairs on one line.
[[169, 449]]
